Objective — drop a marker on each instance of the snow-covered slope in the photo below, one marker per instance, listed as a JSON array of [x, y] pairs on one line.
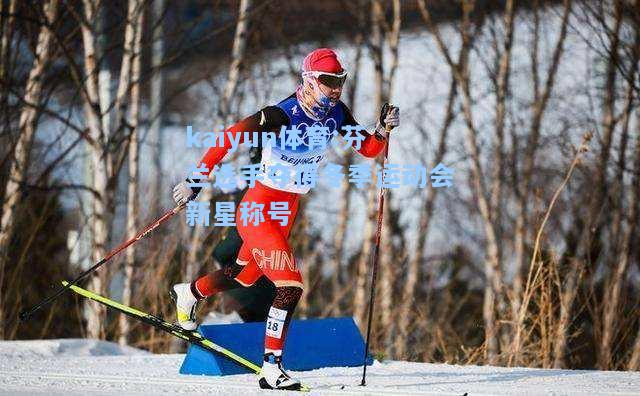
[[81, 367], [69, 347]]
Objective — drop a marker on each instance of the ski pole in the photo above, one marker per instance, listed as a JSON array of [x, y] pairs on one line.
[[25, 314], [374, 257]]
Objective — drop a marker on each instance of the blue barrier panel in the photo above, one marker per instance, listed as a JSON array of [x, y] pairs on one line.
[[311, 344]]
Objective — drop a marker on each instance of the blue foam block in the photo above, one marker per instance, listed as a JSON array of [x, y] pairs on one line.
[[310, 344]]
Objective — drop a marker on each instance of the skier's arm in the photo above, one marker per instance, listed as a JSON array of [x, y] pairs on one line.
[[269, 118], [374, 143]]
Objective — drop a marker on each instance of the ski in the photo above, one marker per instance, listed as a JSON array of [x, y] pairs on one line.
[[190, 336]]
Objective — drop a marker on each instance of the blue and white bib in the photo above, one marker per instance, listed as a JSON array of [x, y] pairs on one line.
[[288, 157]]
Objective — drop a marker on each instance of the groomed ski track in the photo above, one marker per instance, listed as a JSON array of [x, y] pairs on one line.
[[25, 370]]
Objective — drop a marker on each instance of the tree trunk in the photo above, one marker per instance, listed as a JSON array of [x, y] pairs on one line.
[[123, 91], [338, 288], [502, 91], [132, 193], [634, 361], [417, 261], [156, 97], [360, 299], [593, 220], [27, 127], [362, 265], [388, 261], [494, 290], [237, 59], [523, 190], [387, 273], [100, 157], [520, 222], [310, 259], [620, 251], [104, 73], [383, 84], [5, 56]]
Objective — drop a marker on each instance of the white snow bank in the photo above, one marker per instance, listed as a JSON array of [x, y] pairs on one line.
[[68, 347], [80, 367]]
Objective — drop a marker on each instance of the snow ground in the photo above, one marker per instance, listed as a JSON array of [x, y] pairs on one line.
[[88, 367]]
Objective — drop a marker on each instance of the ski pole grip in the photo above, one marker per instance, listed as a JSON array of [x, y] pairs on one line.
[[383, 113], [386, 108]]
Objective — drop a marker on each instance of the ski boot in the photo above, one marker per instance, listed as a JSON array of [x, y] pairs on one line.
[[273, 375], [186, 305]]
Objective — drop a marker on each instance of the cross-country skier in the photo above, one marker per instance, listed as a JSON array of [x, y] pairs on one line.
[[265, 250]]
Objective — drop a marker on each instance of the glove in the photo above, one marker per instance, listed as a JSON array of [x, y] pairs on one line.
[[389, 119], [182, 193]]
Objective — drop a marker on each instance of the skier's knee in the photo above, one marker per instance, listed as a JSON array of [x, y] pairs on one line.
[[287, 297], [244, 273]]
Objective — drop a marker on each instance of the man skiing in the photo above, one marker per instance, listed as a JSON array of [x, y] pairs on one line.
[[265, 249]]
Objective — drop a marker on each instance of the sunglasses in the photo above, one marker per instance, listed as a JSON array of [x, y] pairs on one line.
[[331, 80]]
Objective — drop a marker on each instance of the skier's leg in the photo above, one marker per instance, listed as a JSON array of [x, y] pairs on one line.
[[187, 295], [273, 374], [226, 254], [226, 279], [289, 289], [266, 245]]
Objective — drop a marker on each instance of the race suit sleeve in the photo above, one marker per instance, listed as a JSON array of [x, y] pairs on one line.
[[372, 145], [270, 118]]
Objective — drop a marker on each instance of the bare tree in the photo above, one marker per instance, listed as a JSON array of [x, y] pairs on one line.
[[591, 227], [156, 98], [389, 260], [631, 232], [416, 262], [383, 84], [133, 206], [108, 147], [237, 62], [100, 158], [237, 59], [7, 25], [620, 254], [523, 191], [337, 279], [494, 287], [27, 126], [501, 87]]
